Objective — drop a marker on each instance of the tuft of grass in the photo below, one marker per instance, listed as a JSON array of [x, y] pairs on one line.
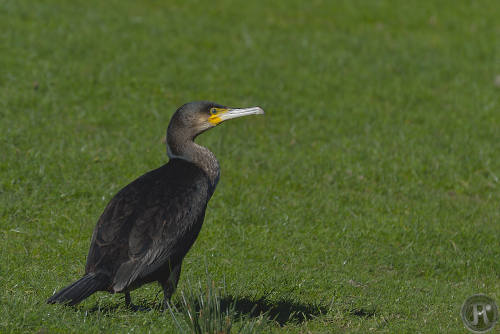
[[202, 311]]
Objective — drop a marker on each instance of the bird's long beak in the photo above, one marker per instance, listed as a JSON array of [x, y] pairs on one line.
[[235, 113], [222, 115]]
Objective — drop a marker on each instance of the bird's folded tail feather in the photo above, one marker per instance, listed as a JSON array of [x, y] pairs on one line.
[[79, 290]]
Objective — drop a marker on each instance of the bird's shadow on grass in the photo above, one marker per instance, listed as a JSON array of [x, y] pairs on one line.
[[116, 307], [283, 311]]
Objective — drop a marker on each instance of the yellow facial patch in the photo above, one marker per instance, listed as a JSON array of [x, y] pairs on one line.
[[215, 115]]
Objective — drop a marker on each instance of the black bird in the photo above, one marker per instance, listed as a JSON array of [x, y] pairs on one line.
[[148, 227]]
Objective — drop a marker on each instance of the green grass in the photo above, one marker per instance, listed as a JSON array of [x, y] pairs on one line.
[[366, 199]]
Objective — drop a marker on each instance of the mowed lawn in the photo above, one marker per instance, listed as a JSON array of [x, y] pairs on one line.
[[367, 199]]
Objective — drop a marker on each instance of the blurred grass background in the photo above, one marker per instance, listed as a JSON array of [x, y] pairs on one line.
[[369, 190]]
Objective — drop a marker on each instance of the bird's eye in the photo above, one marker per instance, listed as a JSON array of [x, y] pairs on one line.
[[213, 111]]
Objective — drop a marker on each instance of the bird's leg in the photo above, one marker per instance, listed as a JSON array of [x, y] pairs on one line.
[[170, 284], [135, 308], [128, 301]]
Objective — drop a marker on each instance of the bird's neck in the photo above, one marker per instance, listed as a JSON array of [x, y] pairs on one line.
[[187, 149]]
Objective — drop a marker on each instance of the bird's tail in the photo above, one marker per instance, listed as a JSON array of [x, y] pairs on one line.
[[79, 290]]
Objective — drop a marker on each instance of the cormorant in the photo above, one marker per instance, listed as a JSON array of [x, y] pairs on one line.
[[148, 227]]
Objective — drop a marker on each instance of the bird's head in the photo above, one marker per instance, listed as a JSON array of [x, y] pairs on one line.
[[194, 118]]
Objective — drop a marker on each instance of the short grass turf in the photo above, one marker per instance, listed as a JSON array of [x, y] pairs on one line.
[[367, 198]]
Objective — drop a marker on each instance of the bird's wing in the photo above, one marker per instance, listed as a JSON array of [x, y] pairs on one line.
[[149, 222]]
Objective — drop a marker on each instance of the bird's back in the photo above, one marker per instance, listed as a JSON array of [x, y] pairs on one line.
[[155, 218]]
